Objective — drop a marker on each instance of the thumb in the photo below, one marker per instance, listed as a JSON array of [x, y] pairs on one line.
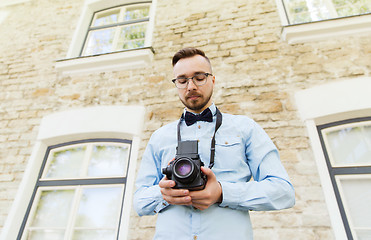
[[208, 172]]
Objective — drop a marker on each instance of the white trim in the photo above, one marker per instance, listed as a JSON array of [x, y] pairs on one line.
[[328, 103], [314, 31], [3, 15], [74, 64], [125, 122], [5, 3], [91, 122], [106, 62], [282, 12], [328, 190], [350, 98]]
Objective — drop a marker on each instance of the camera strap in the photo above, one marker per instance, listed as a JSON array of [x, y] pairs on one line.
[[217, 125]]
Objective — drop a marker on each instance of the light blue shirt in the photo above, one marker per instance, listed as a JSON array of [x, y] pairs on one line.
[[247, 165]]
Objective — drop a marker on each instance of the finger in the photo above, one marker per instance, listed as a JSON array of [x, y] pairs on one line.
[[174, 192], [170, 161], [199, 206], [178, 200], [165, 183]]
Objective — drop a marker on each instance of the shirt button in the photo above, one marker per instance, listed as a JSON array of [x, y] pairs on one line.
[[226, 142], [199, 126], [195, 237]]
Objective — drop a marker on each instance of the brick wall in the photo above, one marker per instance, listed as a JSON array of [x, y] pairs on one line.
[[256, 75]]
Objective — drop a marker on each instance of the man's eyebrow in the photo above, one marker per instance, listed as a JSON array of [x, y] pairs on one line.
[[184, 75]]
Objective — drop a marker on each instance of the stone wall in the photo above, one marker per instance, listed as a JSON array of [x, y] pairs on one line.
[[256, 73]]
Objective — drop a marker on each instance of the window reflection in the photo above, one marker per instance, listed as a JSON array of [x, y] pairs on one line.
[[66, 163], [350, 146], [108, 161]]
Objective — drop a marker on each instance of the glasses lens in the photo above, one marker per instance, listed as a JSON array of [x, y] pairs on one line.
[[183, 168], [200, 79]]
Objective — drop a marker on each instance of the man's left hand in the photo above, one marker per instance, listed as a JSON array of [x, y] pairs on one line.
[[212, 193]]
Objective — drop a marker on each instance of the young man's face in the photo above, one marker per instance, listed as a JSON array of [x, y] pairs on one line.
[[195, 98]]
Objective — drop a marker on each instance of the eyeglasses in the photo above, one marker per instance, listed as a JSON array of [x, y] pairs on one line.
[[198, 79]]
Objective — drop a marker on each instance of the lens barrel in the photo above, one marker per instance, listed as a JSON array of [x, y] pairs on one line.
[[184, 170]]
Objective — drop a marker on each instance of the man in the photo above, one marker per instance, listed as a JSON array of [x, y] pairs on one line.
[[242, 151]]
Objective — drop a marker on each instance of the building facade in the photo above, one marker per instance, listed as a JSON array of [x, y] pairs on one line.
[[86, 81]]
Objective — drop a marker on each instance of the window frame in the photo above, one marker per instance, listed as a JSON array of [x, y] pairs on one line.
[[347, 171], [74, 63], [5, 3], [324, 104], [123, 23], [101, 122], [52, 184], [323, 29]]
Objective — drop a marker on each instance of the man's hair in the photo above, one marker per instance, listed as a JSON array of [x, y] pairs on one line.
[[188, 52]]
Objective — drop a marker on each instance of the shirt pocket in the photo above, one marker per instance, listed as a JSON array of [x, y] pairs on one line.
[[229, 153]]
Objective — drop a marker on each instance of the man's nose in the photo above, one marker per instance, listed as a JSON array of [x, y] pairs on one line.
[[191, 85]]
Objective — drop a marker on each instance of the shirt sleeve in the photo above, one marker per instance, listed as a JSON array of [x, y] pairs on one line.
[[148, 198], [270, 188]]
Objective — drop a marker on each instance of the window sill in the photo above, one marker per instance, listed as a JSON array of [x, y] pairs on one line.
[[123, 60], [315, 31]]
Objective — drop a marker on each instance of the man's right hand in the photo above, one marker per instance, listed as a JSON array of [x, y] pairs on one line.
[[174, 196]]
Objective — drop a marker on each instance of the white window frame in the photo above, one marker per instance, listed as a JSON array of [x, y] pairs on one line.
[[122, 60], [325, 104], [4, 3], [324, 29], [120, 122]]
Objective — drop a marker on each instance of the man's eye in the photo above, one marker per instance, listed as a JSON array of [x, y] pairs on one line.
[[181, 80], [199, 77]]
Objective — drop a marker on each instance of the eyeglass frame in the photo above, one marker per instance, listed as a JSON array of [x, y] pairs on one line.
[[192, 78]]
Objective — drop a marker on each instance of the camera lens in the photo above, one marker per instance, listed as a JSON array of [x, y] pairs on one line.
[[183, 168]]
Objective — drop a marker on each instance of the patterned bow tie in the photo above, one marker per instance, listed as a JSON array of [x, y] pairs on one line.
[[191, 118]]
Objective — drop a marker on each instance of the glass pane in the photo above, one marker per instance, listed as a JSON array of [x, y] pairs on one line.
[[46, 235], [100, 41], [94, 235], [106, 17], [301, 11], [132, 36], [357, 199], [108, 161], [135, 13], [53, 209], [350, 146], [100, 207], [351, 7], [66, 163], [363, 234]]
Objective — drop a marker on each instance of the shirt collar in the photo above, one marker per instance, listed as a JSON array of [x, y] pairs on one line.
[[212, 109]]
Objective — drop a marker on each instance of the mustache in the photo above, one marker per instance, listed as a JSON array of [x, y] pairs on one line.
[[193, 94]]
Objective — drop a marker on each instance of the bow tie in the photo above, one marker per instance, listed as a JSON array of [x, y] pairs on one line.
[[191, 118]]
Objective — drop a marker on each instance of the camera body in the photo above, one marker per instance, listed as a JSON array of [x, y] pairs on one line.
[[185, 170]]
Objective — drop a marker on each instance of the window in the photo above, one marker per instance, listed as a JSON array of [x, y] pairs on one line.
[[347, 149], [111, 35], [79, 180], [313, 20], [338, 119], [80, 192], [116, 29], [302, 11]]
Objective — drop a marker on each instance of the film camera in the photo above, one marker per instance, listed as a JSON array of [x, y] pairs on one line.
[[185, 170]]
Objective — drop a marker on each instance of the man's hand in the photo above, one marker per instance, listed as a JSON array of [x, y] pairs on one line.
[[212, 193], [174, 196]]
